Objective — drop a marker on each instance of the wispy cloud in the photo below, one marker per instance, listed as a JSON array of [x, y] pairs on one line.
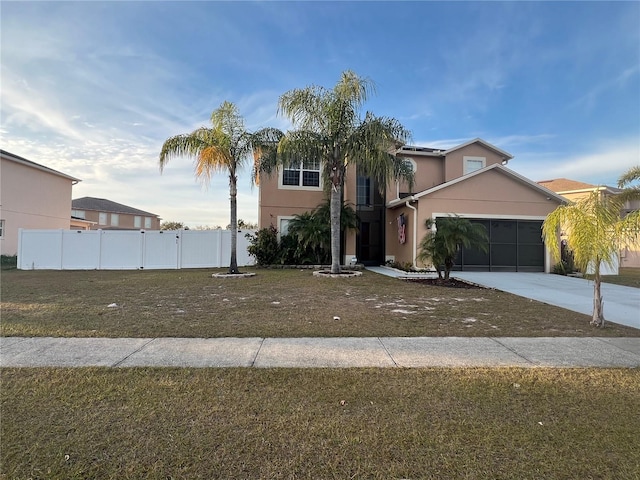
[[601, 164], [590, 99]]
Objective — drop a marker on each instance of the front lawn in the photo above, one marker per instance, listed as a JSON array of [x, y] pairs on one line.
[[629, 277], [320, 423], [275, 303]]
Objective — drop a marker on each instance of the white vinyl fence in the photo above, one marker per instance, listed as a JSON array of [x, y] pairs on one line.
[[128, 249]]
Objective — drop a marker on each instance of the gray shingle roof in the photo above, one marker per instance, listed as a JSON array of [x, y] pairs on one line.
[[104, 205]]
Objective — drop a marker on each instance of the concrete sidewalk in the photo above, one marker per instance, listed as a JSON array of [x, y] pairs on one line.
[[319, 352]]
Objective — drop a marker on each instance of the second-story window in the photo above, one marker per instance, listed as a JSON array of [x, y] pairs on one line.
[[303, 174], [115, 219], [471, 164], [137, 222], [147, 222]]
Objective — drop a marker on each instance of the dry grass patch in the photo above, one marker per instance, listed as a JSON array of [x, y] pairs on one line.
[[629, 277], [359, 423], [274, 303]]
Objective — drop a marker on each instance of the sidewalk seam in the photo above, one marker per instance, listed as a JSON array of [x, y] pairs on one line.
[[388, 353], [513, 351], [604, 341], [119, 362], [255, 357]]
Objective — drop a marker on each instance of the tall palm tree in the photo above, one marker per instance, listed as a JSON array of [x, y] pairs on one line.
[[595, 232], [222, 148], [329, 127], [451, 235]]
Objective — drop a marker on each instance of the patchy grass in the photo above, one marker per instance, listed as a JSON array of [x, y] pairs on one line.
[[274, 303], [629, 277], [359, 423]]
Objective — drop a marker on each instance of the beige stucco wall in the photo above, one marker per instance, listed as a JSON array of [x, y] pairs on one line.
[[402, 253], [125, 221], [275, 202], [454, 164], [428, 173], [31, 198], [491, 194]]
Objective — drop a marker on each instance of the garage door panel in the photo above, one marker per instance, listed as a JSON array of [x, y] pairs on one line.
[[529, 232], [530, 255], [504, 255], [514, 245], [504, 231]]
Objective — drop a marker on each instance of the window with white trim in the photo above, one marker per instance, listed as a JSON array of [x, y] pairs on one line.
[[471, 164], [79, 214], [283, 225], [305, 174], [1, 228], [137, 222], [147, 222], [102, 218], [115, 219]]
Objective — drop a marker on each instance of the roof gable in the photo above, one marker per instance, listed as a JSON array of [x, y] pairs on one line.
[[502, 153], [104, 205], [496, 166], [28, 163]]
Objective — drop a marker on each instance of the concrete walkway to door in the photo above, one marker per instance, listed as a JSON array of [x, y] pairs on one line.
[[621, 304]]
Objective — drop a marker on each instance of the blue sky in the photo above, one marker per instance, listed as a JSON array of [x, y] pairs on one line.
[[93, 89]]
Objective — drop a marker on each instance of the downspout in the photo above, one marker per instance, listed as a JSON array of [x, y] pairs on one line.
[[415, 232]]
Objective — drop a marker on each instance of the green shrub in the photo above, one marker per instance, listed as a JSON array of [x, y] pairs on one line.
[[8, 262], [264, 246], [560, 268]]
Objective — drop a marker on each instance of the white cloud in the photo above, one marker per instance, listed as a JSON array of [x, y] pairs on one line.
[[603, 164]]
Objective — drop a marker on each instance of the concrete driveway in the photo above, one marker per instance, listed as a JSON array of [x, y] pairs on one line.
[[621, 304]]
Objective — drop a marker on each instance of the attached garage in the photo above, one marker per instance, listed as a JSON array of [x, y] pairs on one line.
[[514, 246], [511, 208]]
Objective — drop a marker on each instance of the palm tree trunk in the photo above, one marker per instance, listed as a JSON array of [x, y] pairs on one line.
[[598, 308], [335, 204], [233, 190]]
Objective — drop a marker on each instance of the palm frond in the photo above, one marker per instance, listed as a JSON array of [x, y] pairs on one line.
[[631, 175]]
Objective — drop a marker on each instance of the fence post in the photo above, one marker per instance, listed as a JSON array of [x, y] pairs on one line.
[[99, 249]]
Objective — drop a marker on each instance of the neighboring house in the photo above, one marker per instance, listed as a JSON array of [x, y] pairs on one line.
[[105, 214], [573, 190], [31, 196], [469, 180]]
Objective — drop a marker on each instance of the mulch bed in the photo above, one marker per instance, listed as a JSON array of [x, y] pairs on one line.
[[451, 283]]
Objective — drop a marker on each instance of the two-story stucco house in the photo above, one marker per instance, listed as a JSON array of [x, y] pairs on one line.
[[31, 196], [470, 180], [105, 214]]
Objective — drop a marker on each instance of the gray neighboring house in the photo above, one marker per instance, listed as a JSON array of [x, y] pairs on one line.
[[108, 215]]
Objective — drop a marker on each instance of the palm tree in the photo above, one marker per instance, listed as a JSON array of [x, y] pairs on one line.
[[630, 182], [594, 233], [222, 148], [452, 234], [329, 127]]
